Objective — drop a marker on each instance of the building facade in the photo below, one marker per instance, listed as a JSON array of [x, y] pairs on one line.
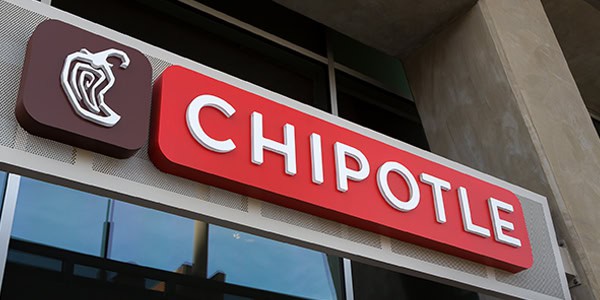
[[503, 93]]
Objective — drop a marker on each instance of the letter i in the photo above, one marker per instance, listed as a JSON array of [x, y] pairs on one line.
[[316, 157]]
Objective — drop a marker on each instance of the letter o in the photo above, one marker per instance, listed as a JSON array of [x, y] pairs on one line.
[[386, 192]]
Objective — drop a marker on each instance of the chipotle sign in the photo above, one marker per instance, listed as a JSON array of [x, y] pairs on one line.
[[212, 132], [93, 93]]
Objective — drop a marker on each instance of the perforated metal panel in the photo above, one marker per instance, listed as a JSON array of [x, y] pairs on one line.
[[143, 171], [16, 25], [303, 220], [363, 237], [542, 277], [434, 257], [137, 178], [227, 199]]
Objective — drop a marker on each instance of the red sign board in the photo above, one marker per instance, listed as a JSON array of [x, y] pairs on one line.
[[212, 132]]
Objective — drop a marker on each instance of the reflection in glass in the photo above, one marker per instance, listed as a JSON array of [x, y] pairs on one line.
[[376, 109], [373, 63], [3, 178], [376, 283], [39, 261], [150, 238], [261, 263], [58, 216], [73, 220]]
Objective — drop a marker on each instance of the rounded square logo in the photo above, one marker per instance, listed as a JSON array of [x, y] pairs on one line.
[[85, 90]]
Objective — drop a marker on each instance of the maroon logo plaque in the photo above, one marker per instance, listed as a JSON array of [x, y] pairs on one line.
[[85, 90]]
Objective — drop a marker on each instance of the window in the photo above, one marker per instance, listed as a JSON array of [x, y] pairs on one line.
[[258, 262], [60, 217], [376, 283], [383, 69], [150, 237], [274, 19], [3, 178], [67, 219], [379, 110]]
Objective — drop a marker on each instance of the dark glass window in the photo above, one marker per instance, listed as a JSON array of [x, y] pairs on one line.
[[376, 283], [3, 178], [379, 110], [58, 216], [277, 20], [168, 242], [63, 222], [373, 63], [258, 262], [35, 271], [178, 28], [150, 237]]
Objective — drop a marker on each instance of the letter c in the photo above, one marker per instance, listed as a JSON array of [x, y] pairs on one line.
[[193, 122]]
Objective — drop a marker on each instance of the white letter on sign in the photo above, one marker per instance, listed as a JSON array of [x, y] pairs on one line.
[[465, 210], [437, 185], [500, 224], [316, 158], [287, 149], [386, 192], [342, 173], [193, 122]]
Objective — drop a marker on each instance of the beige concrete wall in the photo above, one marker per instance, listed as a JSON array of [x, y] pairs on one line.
[[576, 24], [495, 93]]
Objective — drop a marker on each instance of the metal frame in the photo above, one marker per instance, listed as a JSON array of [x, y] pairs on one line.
[[81, 176], [346, 263], [348, 281], [331, 76], [6, 219], [108, 229]]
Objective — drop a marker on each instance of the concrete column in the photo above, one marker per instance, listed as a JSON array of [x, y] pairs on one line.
[[494, 92]]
